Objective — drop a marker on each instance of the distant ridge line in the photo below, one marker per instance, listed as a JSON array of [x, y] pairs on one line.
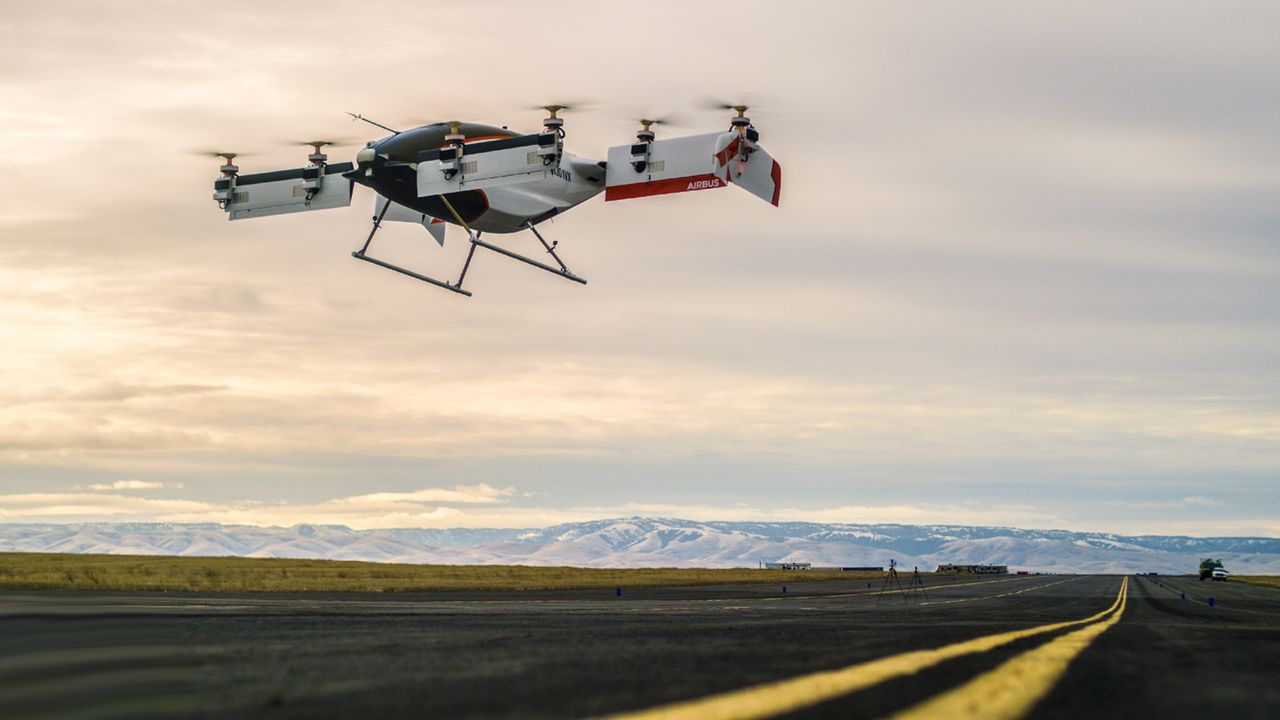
[[663, 542]]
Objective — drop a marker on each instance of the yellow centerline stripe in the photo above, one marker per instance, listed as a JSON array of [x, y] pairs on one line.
[[1011, 690], [784, 696]]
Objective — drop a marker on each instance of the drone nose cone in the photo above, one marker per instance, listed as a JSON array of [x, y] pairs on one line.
[[366, 155]]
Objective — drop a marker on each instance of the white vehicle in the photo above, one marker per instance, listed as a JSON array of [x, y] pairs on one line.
[[492, 180], [1220, 574]]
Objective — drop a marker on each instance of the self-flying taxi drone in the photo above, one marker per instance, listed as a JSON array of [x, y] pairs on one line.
[[489, 179]]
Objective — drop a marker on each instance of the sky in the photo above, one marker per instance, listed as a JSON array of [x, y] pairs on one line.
[[1025, 270]]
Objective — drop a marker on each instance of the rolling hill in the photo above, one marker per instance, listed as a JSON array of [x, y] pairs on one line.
[[666, 542]]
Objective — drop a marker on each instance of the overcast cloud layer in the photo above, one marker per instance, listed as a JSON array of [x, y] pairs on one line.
[[1025, 271]]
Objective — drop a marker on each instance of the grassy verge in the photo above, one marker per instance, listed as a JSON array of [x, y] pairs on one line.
[[57, 571], [1272, 581]]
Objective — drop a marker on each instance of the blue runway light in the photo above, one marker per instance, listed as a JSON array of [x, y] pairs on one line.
[[1210, 602], [619, 593]]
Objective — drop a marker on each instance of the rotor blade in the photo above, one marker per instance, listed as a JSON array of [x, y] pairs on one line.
[[572, 106], [454, 116], [710, 103], [418, 122], [667, 119], [335, 142], [215, 153], [746, 101]]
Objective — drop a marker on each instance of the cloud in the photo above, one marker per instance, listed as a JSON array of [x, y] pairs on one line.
[[118, 392], [419, 508], [1191, 501], [485, 506], [458, 494], [363, 513], [55, 507], [1035, 246], [1200, 501], [132, 485]]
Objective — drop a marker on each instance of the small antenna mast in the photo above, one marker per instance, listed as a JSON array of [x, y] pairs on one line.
[[375, 124]]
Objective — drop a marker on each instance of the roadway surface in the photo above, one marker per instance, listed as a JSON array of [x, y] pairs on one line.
[[1037, 646]]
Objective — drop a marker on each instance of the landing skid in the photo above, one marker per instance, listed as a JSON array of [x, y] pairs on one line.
[[474, 237]]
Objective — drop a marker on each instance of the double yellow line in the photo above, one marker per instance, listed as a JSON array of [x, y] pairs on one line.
[[1008, 691]]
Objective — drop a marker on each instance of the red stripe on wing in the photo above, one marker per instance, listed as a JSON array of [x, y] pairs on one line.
[[663, 187]]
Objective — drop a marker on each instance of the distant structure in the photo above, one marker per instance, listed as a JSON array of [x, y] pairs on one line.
[[974, 569], [810, 566]]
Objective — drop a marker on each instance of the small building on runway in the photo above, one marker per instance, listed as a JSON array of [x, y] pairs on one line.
[[973, 569]]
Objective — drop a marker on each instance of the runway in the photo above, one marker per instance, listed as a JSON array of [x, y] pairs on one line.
[[1035, 646]]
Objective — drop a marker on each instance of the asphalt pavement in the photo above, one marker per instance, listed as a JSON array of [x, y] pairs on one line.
[[1069, 646]]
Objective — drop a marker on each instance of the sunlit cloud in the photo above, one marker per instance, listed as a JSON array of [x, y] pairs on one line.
[[420, 508], [437, 508], [1191, 501], [61, 506], [1068, 285], [484, 506], [134, 485]]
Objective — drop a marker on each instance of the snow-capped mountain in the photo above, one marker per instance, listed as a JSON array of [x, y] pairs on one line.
[[662, 542]]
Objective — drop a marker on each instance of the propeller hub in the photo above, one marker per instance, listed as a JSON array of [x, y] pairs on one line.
[[455, 136], [229, 168]]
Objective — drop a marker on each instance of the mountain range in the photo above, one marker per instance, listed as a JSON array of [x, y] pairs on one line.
[[666, 542]]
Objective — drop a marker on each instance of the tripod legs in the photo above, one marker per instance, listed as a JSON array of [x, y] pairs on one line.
[[914, 587]]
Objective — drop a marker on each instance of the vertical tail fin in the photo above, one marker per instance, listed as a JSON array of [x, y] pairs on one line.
[[400, 213]]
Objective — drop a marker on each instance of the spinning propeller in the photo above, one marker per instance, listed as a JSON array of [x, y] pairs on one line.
[[317, 156], [646, 133], [740, 108], [554, 108], [553, 122], [740, 122], [228, 167]]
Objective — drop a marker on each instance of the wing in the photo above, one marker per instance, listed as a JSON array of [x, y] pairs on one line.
[[285, 191], [491, 163], [691, 163]]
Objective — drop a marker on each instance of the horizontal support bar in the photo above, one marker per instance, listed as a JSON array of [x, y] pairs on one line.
[[528, 261], [438, 283], [291, 174]]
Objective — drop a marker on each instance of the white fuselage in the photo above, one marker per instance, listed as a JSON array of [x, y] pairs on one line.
[[512, 206]]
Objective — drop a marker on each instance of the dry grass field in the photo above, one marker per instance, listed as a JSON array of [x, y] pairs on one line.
[[1271, 581], [57, 571]]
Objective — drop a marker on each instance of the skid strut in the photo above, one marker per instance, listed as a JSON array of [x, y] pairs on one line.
[[474, 237], [360, 255]]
